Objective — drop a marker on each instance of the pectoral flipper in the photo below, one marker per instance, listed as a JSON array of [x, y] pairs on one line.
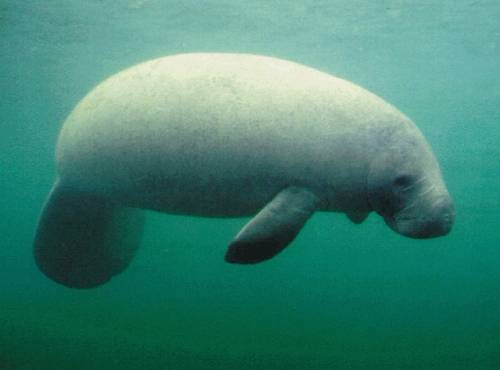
[[274, 227]]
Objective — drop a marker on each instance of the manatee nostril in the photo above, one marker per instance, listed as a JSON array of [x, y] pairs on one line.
[[448, 218], [442, 222], [444, 216], [445, 211]]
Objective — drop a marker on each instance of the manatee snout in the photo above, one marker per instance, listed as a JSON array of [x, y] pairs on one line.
[[437, 221]]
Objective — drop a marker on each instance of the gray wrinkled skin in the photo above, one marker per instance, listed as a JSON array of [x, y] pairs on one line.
[[221, 134]]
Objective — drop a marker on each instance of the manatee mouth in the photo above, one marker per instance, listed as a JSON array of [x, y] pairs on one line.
[[420, 227], [422, 222]]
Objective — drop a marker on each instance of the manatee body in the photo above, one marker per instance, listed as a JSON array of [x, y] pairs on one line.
[[229, 135]]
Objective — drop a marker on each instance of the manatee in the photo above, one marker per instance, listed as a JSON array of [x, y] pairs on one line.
[[229, 135]]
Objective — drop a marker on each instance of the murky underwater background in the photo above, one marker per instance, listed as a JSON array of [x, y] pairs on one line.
[[343, 296]]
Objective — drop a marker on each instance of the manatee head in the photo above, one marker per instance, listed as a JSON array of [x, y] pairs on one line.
[[406, 188]]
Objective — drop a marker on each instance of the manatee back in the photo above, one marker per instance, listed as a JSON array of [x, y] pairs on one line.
[[212, 116]]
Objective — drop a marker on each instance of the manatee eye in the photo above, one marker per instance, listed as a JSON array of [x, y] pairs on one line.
[[402, 181]]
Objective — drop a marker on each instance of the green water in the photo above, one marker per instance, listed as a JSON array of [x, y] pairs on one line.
[[343, 296]]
